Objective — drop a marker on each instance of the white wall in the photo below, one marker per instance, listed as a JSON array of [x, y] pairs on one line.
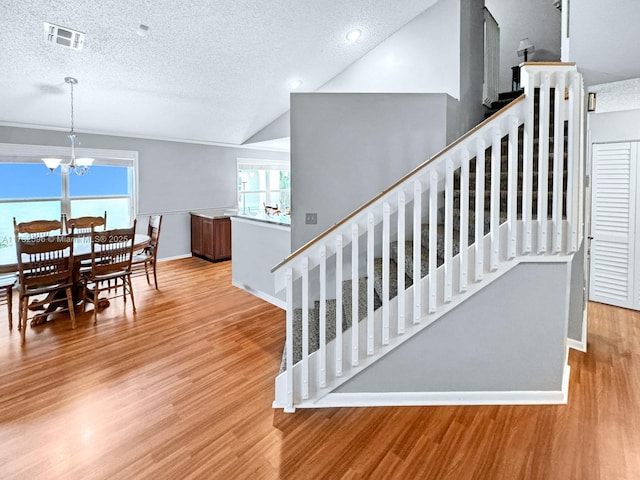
[[257, 247], [423, 56], [604, 39], [348, 147], [174, 178], [620, 126], [538, 20]]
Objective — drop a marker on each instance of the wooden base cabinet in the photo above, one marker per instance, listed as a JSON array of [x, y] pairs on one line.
[[211, 237]]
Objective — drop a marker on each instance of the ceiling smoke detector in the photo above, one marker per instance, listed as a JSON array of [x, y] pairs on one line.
[[63, 36]]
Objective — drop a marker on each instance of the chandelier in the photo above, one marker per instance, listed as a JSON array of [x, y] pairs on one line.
[[79, 166]]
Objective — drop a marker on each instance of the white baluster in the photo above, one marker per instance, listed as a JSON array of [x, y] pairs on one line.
[[580, 170], [512, 188], [464, 219], [305, 328], [370, 279], [448, 232], [417, 250], [558, 162], [494, 209], [289, 338], [355, 296], [386, 219], [401, 262], [543, 162], [480, 173], [573, 160], [433, 240], [527, 166], [339, 266], [322, 373]]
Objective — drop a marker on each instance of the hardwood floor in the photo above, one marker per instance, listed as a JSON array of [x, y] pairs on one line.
[[183, 389]]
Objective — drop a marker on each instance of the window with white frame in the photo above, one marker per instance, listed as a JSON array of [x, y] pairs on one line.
[[29, 191], [263, 183]]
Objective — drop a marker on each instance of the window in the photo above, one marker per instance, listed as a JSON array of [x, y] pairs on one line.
[[28, 191], [263, 182]]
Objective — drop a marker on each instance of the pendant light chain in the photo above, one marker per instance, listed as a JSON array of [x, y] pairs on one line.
[[78, 166]]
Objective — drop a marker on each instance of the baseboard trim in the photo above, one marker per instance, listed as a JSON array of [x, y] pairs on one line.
[[176, 257], [580, 345], [384, 399], [261, 295]]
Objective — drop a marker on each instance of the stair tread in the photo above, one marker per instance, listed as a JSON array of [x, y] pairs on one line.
[[362, 300], [393, 277]]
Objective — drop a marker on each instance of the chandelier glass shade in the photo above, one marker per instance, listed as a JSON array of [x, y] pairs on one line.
[[79, 166]]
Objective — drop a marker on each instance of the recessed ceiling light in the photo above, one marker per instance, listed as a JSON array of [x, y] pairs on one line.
[[354, 35], [293, 84]]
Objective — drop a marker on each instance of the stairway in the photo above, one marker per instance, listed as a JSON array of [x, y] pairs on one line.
[[494, 174], [314, 313]]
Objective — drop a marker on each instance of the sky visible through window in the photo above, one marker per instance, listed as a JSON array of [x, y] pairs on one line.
[[33, 182], [28, 180]]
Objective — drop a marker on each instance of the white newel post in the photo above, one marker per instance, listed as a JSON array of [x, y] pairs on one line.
[[568, 106], [289, 339]]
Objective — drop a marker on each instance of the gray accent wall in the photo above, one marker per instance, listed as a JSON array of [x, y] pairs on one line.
[[173, 178], [491, 342], [348, 147]]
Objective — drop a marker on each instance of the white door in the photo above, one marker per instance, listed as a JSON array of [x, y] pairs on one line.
[[614, 276]]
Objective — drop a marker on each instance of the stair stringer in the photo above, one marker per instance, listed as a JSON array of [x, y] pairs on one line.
[[317, 396]]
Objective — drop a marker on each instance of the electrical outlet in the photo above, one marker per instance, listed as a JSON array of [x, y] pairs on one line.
[[311, 218]]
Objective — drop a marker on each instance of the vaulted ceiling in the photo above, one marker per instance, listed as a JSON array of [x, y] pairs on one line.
[[204, 71]]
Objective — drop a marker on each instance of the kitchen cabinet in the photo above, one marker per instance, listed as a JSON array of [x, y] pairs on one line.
[[211, 236]]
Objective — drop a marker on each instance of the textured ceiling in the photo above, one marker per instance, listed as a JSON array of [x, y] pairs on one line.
[[207, 70]]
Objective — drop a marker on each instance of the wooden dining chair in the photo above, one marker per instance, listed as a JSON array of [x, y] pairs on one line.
[[37, 228], [111, 255], [7, 282], [82, 225], [146, 259], [45, 267]]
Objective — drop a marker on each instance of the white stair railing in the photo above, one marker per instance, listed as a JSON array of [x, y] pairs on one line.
[[516, 225]]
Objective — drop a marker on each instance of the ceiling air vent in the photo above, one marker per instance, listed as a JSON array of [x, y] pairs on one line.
[[63, 36]]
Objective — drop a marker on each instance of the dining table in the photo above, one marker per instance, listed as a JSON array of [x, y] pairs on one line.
[[81, 252]]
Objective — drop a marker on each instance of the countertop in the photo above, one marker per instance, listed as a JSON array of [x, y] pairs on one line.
[[215, 212], [284, 220]]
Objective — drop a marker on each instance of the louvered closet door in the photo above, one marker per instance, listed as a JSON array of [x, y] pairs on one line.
[[615, 279]]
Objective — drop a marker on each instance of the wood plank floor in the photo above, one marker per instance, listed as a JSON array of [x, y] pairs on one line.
[[183, 389]]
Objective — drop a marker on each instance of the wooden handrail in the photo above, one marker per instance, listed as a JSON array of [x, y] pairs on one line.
[[442, 152]]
